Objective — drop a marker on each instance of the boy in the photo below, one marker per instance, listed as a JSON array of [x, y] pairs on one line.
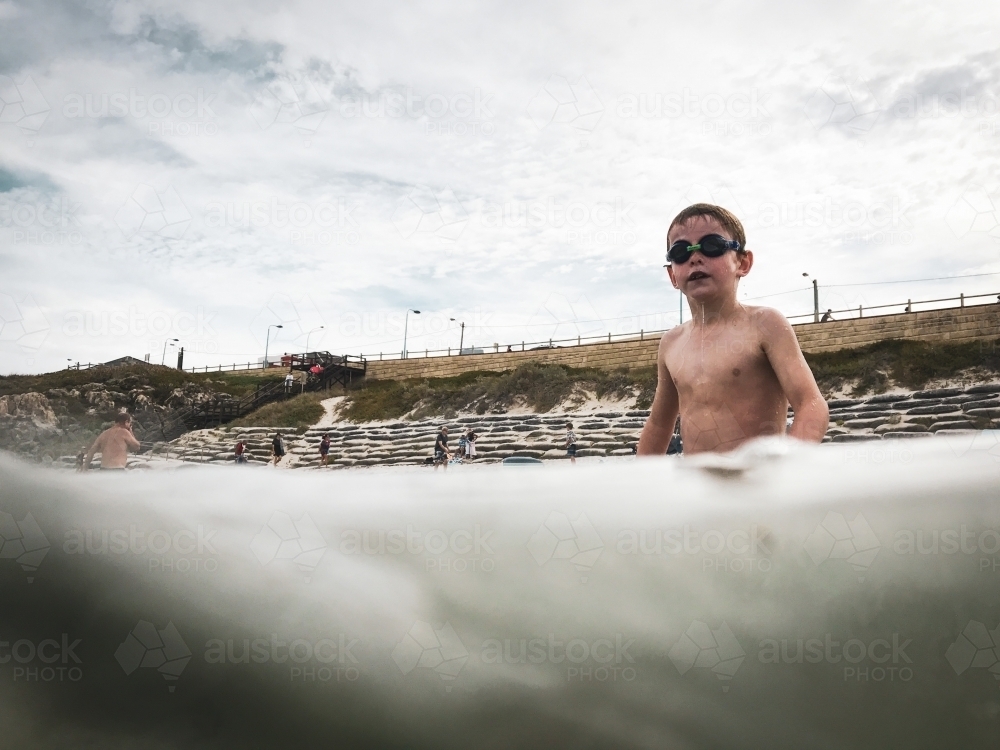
[[241, 451], [470, 444], [570, 443], [324, 449], [113, 444], [731, 370], [278, 448]]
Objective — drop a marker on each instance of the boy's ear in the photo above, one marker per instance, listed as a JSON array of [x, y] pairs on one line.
[[670, 273], [745, 261]]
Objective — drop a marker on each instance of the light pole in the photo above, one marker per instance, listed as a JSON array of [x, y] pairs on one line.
[[310, 334], [815, 299], [267, 341], [163, 358], [406, 326], [461, 338]]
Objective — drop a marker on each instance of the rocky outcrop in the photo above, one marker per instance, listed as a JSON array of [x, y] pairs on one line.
[[33, 406]]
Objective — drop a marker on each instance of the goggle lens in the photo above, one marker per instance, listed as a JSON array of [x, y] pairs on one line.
[[711, 246]]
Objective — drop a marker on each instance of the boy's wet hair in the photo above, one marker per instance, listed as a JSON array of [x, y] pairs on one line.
[[726, 218], [122, 417]]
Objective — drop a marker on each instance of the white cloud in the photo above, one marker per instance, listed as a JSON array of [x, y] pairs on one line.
[[293, 145]]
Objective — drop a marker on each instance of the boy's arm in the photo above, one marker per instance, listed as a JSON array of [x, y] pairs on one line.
[[656, 433], [812, 415], [95, 447], [131, 441]]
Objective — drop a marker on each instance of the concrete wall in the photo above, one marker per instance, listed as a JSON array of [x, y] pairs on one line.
[[953, 324]]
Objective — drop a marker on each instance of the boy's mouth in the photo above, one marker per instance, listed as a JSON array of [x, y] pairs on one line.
[[698, 275]]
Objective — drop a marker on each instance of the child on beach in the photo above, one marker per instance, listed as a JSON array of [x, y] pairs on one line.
[[733, 369], [570, 443]]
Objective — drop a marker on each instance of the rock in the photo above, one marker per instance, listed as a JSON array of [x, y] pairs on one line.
[[956, 424], [900, 427], [852, 438], [863, 424], [897, 434], [938, 393], [986, 388], [842, 402], [939, 409], [980, 404], [33, 406], [992, 412]]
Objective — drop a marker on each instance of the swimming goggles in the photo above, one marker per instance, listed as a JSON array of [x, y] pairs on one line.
[[711, 246]]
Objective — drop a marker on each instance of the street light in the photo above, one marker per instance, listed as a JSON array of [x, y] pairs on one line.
[[307, 338], [163, 358], [815, 299], [406, 326], [461, 338], [267, 341]]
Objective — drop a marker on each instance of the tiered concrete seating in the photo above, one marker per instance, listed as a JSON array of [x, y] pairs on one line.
[[611, 433]]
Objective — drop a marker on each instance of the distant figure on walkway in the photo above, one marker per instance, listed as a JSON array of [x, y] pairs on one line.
[[278, 448], [828, 315], [676, 445], [241, 452], [114, 444], [570, 443], [508, 348], [80, 456], [289, 382], [441, 452], [470, 444], [324, 449]]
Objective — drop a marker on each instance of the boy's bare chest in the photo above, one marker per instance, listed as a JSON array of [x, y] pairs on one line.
[[718, 359]]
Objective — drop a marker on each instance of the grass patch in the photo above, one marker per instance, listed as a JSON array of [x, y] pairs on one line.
[[298, 412], [162, 379], [540, 386], [906, 363]]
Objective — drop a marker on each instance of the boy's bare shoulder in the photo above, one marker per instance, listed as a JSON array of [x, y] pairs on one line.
[[767, 319], [672, 335]]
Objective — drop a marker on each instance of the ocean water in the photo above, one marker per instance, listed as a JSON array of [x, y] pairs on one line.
[[786, 596]]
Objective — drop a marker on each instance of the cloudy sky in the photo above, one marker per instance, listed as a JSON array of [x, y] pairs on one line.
[[203, 170]]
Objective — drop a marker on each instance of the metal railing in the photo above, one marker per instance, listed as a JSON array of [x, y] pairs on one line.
[[857, 312], [361, 359]]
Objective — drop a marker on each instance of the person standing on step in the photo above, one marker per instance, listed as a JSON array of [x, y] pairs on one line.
[[441, 452], [241, 451], [470, 444], [289, 382], [278, 448], [324, 449], [570, 443], [113, 444]]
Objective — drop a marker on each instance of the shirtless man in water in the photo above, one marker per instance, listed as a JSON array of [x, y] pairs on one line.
[[114, 444], [732, 370]]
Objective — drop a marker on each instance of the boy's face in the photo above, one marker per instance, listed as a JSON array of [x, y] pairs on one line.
[[704, 279]]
